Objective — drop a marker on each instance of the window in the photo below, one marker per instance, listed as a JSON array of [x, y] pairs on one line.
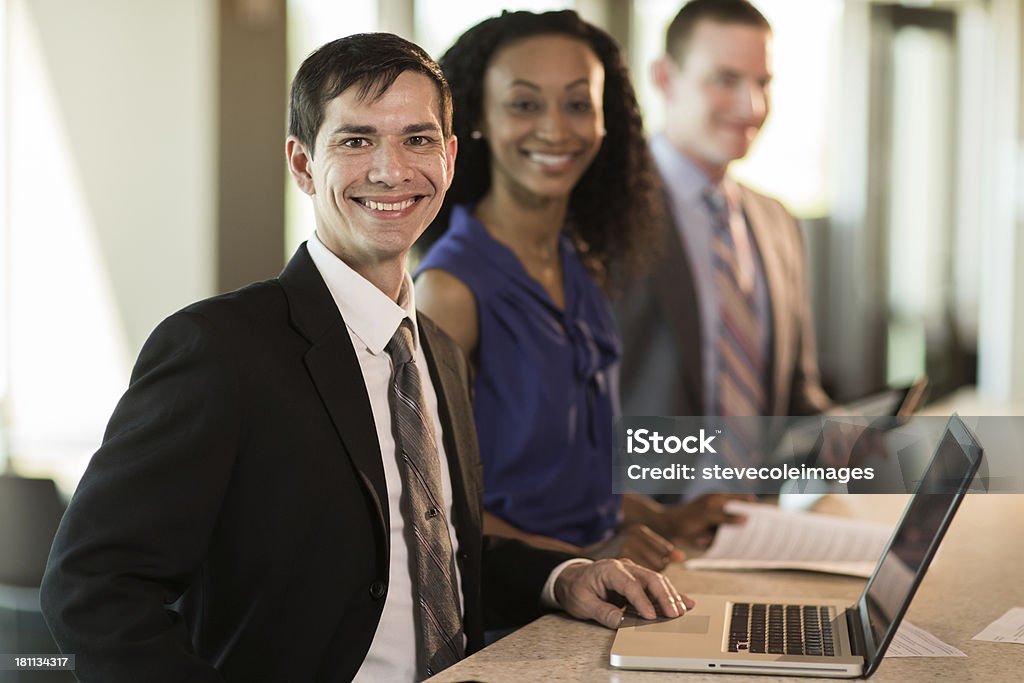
[[108, 219]]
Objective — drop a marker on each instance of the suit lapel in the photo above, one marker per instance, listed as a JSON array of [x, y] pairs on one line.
[[761, 227], [456, 416], [677, 290], [333, 366]]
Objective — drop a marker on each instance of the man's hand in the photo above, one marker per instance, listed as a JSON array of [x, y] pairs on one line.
[[638, 543], [585, 591]]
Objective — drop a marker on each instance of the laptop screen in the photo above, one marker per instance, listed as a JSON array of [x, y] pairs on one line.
[[803, 436], [917, 536]]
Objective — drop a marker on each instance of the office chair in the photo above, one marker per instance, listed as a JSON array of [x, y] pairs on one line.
[[30, 510]]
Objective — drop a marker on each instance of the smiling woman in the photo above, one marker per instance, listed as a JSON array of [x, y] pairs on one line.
[[543, 120], [551, 199]]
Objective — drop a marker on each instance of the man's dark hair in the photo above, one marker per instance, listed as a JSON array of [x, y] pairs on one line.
[[612, 209], [370, 61], [680, 31]]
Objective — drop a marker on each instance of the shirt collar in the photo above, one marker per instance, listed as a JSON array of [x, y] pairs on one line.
[[369, 313], [683, 178]]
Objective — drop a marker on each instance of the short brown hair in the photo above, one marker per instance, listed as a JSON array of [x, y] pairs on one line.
[[371, 61], [680, 31]]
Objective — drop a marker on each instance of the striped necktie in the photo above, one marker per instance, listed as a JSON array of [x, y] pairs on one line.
[[439, 636], [741, 371]]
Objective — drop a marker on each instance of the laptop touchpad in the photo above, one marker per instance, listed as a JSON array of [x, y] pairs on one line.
[[687, 624]]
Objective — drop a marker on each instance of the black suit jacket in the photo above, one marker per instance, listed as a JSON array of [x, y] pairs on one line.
[[659, 316], [240, 482]]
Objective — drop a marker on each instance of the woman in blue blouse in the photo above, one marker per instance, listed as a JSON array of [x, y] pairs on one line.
[[553, 192]]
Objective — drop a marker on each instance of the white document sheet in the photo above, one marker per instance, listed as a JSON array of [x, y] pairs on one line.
[[777, 539], [914, 641], [1008, 628]]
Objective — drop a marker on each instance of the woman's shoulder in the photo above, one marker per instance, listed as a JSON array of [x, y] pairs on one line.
[[458, 248], [467, 252]]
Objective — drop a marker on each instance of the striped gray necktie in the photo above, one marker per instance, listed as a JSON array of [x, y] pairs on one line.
[[741, 367], [741, 371], [439, 635]]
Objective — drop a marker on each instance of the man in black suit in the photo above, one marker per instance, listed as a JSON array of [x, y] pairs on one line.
[[247, 516]]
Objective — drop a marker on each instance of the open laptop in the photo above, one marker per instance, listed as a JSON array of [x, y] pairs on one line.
[[808, 637]]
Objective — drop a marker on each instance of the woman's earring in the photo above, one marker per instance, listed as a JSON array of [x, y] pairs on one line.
[[476, 135]]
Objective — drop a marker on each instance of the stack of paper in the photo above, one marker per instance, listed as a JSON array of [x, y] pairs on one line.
[[776, 539], [1008, 628]]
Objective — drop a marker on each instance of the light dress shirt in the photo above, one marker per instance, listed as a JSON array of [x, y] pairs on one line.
[[686, 185]]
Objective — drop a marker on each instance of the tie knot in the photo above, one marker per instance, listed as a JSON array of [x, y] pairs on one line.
[[715, 197], [401, 345], [718, 205]]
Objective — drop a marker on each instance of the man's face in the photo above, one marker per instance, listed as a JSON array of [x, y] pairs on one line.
[[718, 97], [379, 170]]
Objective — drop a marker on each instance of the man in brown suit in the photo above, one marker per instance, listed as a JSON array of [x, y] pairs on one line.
[[715, 77], [722, 324]]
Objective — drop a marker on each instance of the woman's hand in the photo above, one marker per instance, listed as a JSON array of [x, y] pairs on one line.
[[639, 543]]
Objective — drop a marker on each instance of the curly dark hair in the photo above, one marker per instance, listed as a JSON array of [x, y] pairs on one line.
[[613, 210]]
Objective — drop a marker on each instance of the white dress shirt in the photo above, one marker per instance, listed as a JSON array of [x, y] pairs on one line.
[[372, 318]]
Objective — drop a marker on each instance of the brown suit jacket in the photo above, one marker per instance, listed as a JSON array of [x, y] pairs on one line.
[[661, 326]]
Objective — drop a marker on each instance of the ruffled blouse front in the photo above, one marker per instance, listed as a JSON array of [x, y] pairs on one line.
[[546, 390]]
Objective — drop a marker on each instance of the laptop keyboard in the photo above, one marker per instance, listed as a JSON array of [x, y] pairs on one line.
[[781, 629]]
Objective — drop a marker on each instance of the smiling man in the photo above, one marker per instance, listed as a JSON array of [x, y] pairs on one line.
[[290, 487], [722, 326]]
